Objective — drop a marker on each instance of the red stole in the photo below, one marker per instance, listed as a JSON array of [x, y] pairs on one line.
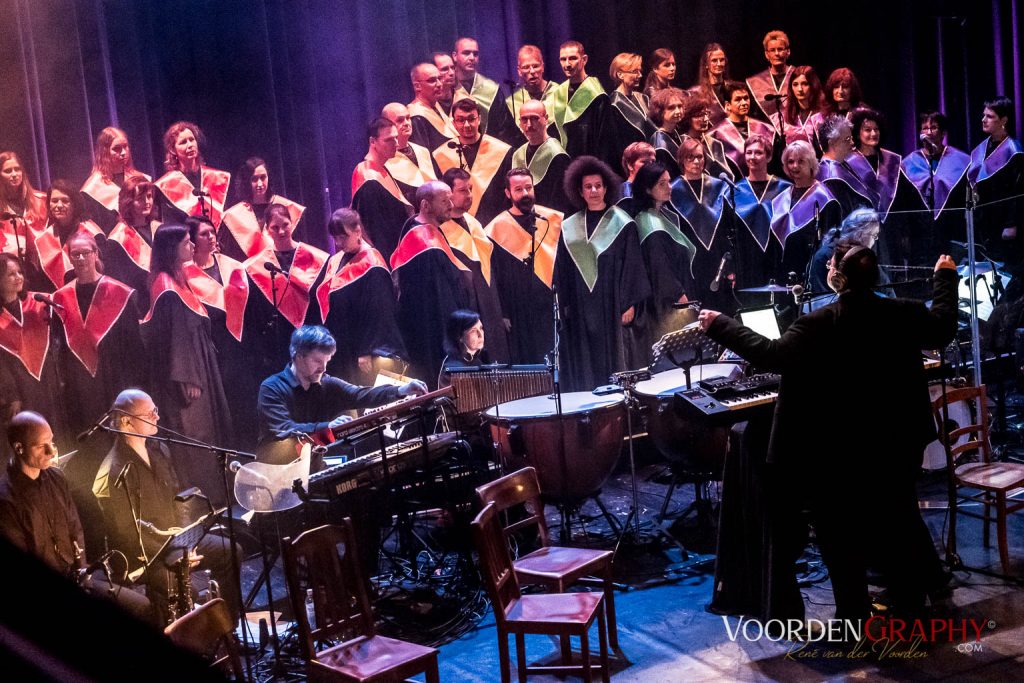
[[131, 241], [230, 297], [417, 241], [364, 260], [474, 243], [293, 293], [164, 283], [244, 225], [105, 192], [53, 258], [84, 336], [29, 339], [178, 190]]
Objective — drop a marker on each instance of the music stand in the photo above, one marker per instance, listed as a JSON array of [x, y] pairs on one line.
[[685, 348]]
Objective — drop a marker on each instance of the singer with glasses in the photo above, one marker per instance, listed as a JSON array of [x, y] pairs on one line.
[[38, 516], [137, 487], [29, 353]]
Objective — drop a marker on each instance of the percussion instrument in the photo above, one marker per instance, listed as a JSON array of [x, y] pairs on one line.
[[528, 432], [475, 391]]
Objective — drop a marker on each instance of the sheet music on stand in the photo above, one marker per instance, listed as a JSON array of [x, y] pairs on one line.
[[186, 539], [685, 347]]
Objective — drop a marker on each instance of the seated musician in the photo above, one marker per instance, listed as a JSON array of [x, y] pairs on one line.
[[464, 343], [136, 487], [38, 515], [303, 399]]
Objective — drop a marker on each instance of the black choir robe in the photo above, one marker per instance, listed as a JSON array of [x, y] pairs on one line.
[[241, 236], [666, 150], [101, 350], [702, 216], [53, 260], [523, 264], [179, 198], [581, 122], [356, 302], [179, 342], [715, 160], [473, 248], [412, 170], [495, 118], [487, 174], [432, 283], [763, 84], [547, 166], [941, 188], [100, 196], [757, 265], [794, 225], [600, 275], [849, 188], [728, 133], [431, 126], [629, 120], [381, 204], [126, 254], [999, 175], [668, 260], [716, 112], [519, 97]]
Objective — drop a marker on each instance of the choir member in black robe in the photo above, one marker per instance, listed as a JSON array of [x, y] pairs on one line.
[[700, 200], [668, 259], [752, 202], [526, 238], [712, 74], [495, 119], [842, 93], [533, 86], [667, 109], [599, 275], [64, 218], [29, 354], [432, 281], [412, 164], [474, 248], [241, 235], [803, 213], [376, 194], [24, 205], [851, 189], [112, 165], [737, 126], [662, 71], [486, 158], [281, 280], [997, 172], [446, 68], [431, 125], [542, 155], [772, 82], [356, 302], [633, 159], [804, 102], [696, 124], [222, 285], [186, 173], [184, 373], [629, 110], [101, 350], [581, 108], [938, 173], [126, 253]]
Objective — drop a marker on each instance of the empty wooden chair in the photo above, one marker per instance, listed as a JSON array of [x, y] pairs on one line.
[[326, 560], [209, 631]]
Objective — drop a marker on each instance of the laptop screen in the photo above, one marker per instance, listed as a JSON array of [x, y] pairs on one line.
[[762, 321]]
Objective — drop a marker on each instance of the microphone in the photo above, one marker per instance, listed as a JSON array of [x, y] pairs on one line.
[[95, 427], [100, 563], [455, 144], [42, 298], [198, 192], [510, 83], [927, 142], [798, 291], [725, 176], [234, 466], [771, 97], [8, 216], [274, 268], [717, 282], [119, 482], [536, 216]]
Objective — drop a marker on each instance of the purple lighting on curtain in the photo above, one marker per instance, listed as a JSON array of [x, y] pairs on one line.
[[997, 48], [30, 73], [941, 64], [108, 78], [1018, 90]]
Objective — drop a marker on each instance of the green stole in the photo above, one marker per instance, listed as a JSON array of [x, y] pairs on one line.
[[649, 222], [485, 92], [586, 252], [520, 97], [568, 110], [541, 160]]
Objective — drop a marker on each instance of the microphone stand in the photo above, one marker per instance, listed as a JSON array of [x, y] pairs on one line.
[[816, 241], [554, 367]]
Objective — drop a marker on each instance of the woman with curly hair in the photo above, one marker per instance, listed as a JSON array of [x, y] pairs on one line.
[[189, 187]]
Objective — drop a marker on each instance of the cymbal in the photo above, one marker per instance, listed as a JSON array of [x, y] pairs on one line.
[[767, 289], [980, 268]]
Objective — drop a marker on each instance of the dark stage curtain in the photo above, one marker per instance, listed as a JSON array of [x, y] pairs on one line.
[[296, 81]]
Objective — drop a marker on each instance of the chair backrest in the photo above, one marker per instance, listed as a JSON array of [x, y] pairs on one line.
[[495, 562], [517, 488], [208, 630], [976, 433], [326, 560]]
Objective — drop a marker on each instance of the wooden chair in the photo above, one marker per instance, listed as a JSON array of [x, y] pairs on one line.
[[326, 560], [993, 480], [554, 567], [558, 614], [208, 630]]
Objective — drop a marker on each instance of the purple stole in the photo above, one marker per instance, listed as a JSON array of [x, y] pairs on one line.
[[756, 212], [981, 169], [789, 218], [883, 183], [843, 171], [951, 169], [730, 137], [704, 213], [762, 84]]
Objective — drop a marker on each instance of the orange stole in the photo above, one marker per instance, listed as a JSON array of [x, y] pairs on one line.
[[163, 284], [84, 336], [362, 263], [293, 294], [367, 171], [53, 258], [131, 241], [178, 190], [506, 233], [475, 244], [244, 226], [230, 298], [105, 192], [28, 340], [417, 241], [489, 156]]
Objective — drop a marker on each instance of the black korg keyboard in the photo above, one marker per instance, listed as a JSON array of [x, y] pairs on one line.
[[728, 401]]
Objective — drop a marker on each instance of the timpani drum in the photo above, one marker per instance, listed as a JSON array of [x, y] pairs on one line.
[[529, 433], [697, 448]]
